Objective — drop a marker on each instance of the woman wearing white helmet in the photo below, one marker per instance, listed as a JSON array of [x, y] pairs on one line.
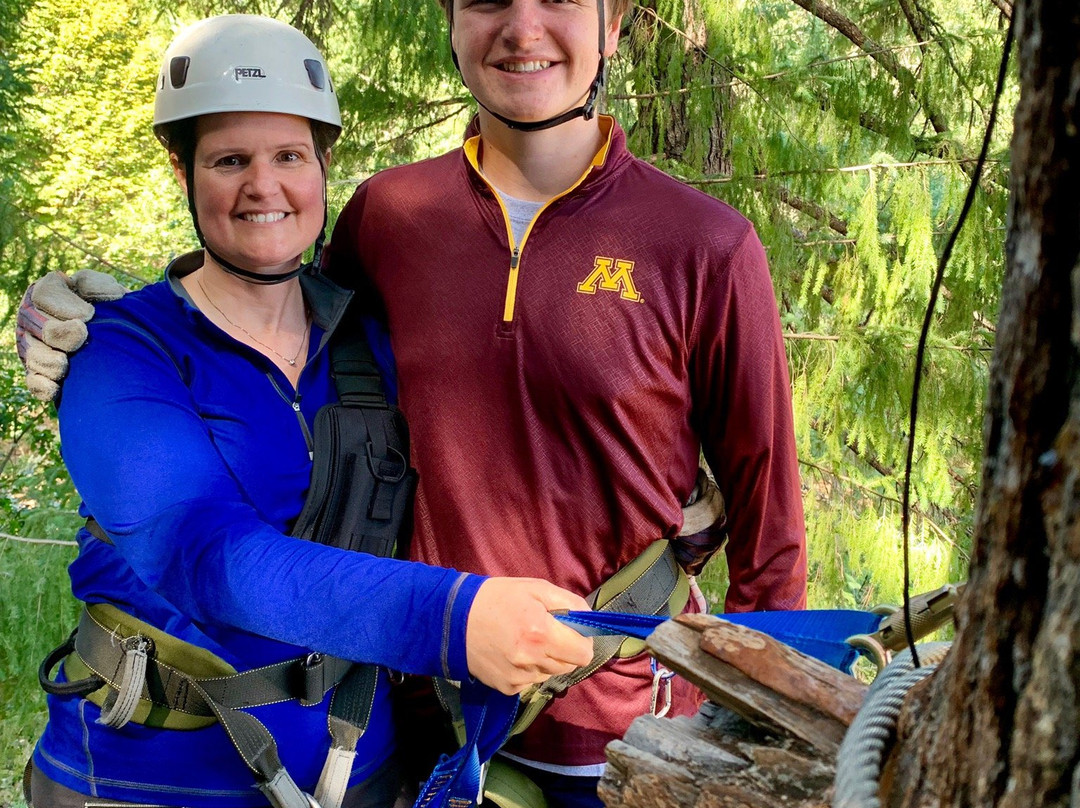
[[201, 674]]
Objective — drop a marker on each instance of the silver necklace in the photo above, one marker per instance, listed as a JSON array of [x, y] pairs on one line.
[[252, 337]]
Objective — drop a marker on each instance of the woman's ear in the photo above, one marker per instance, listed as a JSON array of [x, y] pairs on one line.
[[328, 157], [179, 171]]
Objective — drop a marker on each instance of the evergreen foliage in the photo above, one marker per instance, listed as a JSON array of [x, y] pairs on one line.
[[847, 138]]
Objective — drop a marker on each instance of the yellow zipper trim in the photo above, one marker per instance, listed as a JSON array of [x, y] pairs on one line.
[[472, 152]]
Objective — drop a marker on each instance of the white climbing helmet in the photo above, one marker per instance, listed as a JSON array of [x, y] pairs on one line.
[[243, 63]]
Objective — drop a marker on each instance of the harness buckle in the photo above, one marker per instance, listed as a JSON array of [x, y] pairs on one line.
[[138, 643]]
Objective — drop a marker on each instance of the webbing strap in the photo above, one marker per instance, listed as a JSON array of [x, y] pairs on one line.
[[352, 362], [657, 585], [457, 780], [350, 712], [821, 633]]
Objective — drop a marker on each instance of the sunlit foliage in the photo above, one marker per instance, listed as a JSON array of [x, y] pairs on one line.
[[848, 139]]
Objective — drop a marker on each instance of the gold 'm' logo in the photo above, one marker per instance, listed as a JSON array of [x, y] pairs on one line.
[[604, 277]]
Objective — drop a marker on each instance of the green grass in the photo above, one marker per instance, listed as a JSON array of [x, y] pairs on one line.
[[37, 611]]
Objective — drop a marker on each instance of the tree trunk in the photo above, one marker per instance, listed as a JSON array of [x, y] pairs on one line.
[[999, 723], [684, 117]]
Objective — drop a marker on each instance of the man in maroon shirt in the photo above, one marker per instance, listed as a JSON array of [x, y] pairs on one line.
[[572, 330]]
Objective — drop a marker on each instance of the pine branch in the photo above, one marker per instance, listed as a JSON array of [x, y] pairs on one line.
[[883, 56], [913, 15], [703, 51], [813, 210], [93, 256], [431, 124], [835, 223], [426, 104], [886, 471], [963, 161], [737, 81], [918, 16], [14, 445], [26, 540], [934, 526], [812, 337]]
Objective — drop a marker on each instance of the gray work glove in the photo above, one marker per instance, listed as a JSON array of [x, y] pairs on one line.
[[52, 324]]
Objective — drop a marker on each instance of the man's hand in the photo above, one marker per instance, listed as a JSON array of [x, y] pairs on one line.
[[511, 639], [52, 324]]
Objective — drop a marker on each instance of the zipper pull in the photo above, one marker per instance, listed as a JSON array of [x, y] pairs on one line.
[[514, 258]]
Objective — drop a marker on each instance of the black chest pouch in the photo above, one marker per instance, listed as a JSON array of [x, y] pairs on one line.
[[362, 485]]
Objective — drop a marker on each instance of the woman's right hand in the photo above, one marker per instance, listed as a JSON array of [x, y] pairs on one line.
[[511, 640]]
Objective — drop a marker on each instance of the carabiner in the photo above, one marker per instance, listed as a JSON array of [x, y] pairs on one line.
[[662, 676]]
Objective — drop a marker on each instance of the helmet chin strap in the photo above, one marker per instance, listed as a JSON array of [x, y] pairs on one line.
[[258, 278], [586, 110]]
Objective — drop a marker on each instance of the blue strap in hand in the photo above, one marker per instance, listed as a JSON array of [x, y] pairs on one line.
[[456, 781], [821, 634]]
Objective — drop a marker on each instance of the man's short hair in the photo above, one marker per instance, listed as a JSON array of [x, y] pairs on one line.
[[617, 7]]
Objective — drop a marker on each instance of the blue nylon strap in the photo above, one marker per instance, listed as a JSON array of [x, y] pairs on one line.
[[821, 633], [456, 781], [488, 714]]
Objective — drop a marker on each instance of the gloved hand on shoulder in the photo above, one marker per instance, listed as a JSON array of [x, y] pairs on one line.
[[52, 324]]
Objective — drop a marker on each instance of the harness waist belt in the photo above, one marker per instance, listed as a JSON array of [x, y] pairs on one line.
[[136, 672]]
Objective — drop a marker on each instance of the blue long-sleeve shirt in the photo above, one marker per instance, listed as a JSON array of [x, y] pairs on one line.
[[191, 451]]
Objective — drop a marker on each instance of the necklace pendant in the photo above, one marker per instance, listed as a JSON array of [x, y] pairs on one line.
[[292, 362]]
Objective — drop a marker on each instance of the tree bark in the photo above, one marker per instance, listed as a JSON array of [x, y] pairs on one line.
[[686, 126], [999, 723]]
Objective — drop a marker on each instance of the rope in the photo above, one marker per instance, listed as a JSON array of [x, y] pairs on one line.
[[862, 754]]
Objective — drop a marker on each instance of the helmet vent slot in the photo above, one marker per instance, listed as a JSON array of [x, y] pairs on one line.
[[178, 69], [315, 73]]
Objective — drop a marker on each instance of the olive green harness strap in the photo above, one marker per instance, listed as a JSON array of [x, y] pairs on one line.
[[650, 584], [136, 672]]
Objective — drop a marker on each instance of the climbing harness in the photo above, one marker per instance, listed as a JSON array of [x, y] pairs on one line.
[[653, 584], [360, 499]]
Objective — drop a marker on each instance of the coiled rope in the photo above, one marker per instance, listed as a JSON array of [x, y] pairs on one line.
[[862, 753]]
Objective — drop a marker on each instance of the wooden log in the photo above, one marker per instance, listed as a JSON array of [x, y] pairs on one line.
[[808, 711], [713, 760], [785, 671]]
